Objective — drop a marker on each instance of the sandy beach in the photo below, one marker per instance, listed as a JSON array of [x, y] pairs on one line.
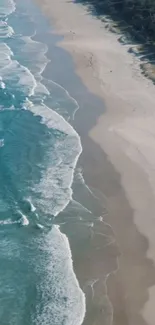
[[121, 147]]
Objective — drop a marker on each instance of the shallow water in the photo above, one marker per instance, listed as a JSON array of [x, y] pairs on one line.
[[41, 207], [38, 154]]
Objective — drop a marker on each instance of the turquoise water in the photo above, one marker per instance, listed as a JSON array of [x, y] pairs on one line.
[[39, 150]]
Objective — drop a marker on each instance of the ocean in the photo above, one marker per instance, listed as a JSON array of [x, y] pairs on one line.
[[39, 150], [54, 241]]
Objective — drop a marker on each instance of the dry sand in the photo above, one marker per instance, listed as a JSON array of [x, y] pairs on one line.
[[126, 132]]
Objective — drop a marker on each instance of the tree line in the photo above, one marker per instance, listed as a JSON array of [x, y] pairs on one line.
[[139, 15]]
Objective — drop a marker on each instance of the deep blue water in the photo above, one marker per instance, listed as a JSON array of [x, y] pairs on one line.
[[38, 154]]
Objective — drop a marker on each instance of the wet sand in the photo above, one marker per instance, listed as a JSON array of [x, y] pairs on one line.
[[118, 158]]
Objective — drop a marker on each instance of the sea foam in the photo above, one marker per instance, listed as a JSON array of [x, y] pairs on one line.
[[63, 302], [23, 220], [1, 143], [55, 184], [19, 76], [7, 7], [5, 30]]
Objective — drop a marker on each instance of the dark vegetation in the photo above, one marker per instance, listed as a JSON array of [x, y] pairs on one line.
[[139, 15], [135, 20]]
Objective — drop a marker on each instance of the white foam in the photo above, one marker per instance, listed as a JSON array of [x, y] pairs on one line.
[[55, 184], [2, 85], [41, 90], [24, 220], [34, 47], [70, 97], [40, 226], [33, 208], [65, 94], [20, 77], [37, 61], [80, 178], [7, 7], [5, 61], [27, 104], [52, 119], [80, 208], [7, 222], [1, 143], [55, 194], [11, 71], [6, 31], [4, 48], [63, 301], [36, 51], [26, 80]]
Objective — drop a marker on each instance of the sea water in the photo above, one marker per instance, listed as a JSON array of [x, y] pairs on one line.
[[39, 150]]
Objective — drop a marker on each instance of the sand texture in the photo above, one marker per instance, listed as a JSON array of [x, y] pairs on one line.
[[126, 133]]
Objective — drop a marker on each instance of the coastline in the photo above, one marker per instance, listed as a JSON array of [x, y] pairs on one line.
[[129, 102]]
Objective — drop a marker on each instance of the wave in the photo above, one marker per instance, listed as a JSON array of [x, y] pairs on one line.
[[18, 78], [2, 84], [52, 119], [80, 179], [5, 60], [1, 143], [7, 222], [35, 53], [4, 48], [39, 226], [32, 207], [63, 302], [7, 7], [55, 184], [6, 31], [5, 56], [71, 99], [53, 192], [60, 100], [23, 220], [80, 208]]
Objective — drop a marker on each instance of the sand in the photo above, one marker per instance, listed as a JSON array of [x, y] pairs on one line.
[[126, 133]]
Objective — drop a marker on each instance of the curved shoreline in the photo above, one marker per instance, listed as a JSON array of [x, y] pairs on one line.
[[129, 99]]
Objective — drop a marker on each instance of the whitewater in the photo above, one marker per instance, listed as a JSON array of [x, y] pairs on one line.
[[39, 151]]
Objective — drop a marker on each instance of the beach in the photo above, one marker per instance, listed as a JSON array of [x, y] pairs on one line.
[[118, 161]]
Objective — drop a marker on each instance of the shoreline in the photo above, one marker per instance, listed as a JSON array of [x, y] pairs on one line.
[[118, 133]]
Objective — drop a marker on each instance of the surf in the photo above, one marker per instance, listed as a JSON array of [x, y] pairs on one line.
[[38, 162]]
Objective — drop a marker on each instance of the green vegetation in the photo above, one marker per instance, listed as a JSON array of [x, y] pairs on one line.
[[134, 20], [138, 15]]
